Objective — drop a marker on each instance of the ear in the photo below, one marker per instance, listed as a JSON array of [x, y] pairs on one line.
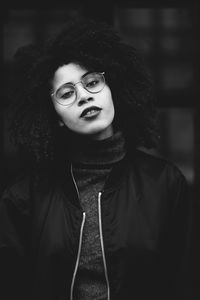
[[60, 123]]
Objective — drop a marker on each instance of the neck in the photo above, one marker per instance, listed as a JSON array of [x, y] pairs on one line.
[[108, 132], [100, 152]]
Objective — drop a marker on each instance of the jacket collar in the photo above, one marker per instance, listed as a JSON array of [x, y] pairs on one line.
[[125, 170], [120, 172]]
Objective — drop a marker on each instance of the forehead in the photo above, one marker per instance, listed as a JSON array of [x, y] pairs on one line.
[[71, 72]]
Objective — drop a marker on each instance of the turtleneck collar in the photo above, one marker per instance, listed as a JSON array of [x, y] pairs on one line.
[[99, 152]]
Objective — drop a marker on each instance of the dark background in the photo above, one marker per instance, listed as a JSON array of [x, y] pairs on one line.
[[166, 33]]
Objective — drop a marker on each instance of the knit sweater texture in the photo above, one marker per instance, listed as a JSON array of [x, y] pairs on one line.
[[92, 163]]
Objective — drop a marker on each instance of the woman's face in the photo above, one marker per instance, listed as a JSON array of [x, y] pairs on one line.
[[91, 114]]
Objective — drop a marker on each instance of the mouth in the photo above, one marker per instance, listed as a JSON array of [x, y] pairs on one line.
[[91, 111]]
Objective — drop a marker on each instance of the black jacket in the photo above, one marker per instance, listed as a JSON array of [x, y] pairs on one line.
[[143, 217]]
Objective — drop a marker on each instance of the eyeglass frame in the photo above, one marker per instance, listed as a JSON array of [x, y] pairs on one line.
[[74, 84]]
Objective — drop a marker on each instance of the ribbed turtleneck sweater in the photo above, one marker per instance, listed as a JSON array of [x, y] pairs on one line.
[[92, 163]]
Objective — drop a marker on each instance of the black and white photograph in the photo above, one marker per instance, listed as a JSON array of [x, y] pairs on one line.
[[100, 150]]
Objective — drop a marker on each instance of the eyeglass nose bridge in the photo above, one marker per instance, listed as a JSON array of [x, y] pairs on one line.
[[78, 83], [77, 93]]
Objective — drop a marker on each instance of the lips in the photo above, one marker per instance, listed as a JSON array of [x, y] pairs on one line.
[[89, 111]]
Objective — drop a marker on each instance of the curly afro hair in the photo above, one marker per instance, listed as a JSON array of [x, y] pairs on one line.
[[95, 46]]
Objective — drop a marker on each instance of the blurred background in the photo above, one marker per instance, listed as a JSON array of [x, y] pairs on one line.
[[167, 35]]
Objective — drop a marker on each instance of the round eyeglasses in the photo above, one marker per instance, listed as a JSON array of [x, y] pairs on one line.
[[93, 82]]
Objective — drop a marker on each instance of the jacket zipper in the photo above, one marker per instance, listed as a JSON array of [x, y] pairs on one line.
[[80, 241], [78, 256], [102, 245]]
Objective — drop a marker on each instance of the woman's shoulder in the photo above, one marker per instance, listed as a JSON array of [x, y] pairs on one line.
[[155, 165], [17, 192]]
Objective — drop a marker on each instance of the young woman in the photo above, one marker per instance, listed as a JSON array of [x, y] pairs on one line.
[[92, 217]]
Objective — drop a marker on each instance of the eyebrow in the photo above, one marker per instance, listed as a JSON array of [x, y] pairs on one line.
[[85, 74]]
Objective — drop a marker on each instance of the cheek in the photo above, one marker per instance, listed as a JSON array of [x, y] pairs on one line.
[[110, 103], [109, 109], [66, 115], [111, 114]]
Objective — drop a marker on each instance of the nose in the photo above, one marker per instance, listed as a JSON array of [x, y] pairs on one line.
[[83, 96]]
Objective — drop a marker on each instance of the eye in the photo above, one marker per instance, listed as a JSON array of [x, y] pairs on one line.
[[92, 83], [66, 94]]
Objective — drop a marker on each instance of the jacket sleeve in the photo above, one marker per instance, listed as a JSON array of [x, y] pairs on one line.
[[179, 232], [14, 227]]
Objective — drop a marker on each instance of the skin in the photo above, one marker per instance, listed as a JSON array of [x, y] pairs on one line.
[[98, 127]]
